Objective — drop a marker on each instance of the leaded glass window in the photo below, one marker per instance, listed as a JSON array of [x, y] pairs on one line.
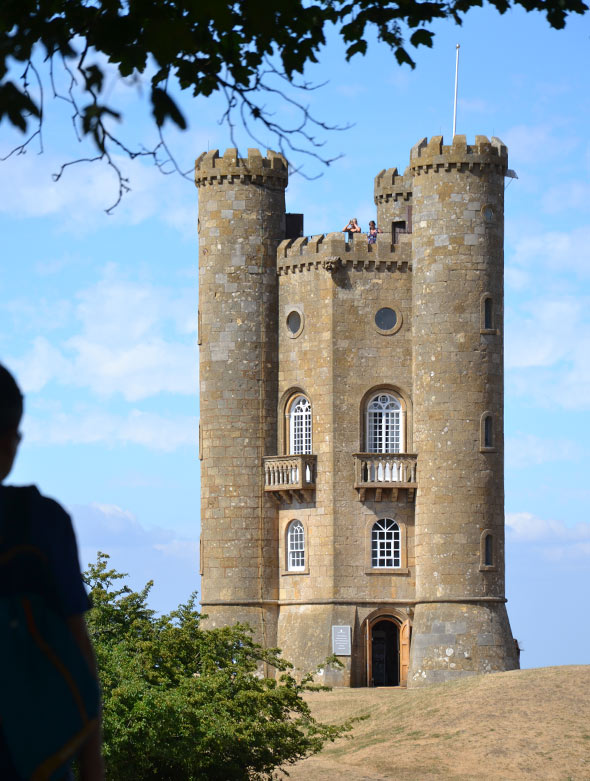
[[385, 544], [295, 547], [300, 426], [384, 433]]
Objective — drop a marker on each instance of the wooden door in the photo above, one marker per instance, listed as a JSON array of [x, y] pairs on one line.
[[404, 652]]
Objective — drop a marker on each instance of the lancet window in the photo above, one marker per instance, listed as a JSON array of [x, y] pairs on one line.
[[300, 426], [295, 547], [384, 424]]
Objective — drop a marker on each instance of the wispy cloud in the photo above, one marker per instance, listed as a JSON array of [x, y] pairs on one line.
[[525, 450], [89, 425], [165, 556], [79, 199], [133, 339], [555, 540]]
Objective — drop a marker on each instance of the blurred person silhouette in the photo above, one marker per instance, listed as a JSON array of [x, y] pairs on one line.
[[49, 701]]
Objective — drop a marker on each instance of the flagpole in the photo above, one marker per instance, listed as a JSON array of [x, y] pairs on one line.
[[456, 82]]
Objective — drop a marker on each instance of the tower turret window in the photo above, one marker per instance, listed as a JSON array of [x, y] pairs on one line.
[[385, 544], [488, 320], [384, 424], [487, 324], [488, 558], [487, 551], [295, 547], [299, 426]]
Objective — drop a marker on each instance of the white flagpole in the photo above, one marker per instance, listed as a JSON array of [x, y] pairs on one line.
[[456, 81]]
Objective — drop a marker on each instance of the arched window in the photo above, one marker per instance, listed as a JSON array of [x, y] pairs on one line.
[[295, 547], [384, 424], [385, 544], [299, 426]]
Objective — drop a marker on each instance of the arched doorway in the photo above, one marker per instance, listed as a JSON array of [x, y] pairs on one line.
[[385, 652]]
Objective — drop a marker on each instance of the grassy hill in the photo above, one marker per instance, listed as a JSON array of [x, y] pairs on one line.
[[531, 724]]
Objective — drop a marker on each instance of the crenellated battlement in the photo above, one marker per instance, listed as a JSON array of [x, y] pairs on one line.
[[330, 252], [391, 186], [210, 168], [432, 155]]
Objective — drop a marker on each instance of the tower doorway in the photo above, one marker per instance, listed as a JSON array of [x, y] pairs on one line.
[[385, 656]]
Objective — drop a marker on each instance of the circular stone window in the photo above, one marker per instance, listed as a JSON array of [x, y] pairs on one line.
[[387, 320], [294, 323]]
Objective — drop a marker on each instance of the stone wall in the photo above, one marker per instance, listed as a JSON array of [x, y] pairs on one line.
[[457, 249], [241, 222]]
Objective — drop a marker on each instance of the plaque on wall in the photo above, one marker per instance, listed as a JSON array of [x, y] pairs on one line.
[[341, 640]]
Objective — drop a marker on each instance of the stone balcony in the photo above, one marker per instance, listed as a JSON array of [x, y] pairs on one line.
[[384, 474], [290, 477]]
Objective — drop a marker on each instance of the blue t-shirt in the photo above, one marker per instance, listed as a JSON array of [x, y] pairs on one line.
[[51, 531]]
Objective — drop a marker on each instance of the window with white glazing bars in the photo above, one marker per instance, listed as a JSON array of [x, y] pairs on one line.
[[384, 424], [300, 426], [385, 544], [295, 547]]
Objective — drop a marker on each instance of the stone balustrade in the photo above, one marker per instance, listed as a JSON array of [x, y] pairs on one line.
[[390, 471], [290, 477]]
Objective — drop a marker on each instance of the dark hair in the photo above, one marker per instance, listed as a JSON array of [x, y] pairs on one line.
[[11, 402]]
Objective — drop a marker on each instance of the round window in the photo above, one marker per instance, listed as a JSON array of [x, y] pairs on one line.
[[488, 213], [294, 323], [386, 319]]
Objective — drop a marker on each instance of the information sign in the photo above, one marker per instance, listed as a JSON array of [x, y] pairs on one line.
[[341, 640]]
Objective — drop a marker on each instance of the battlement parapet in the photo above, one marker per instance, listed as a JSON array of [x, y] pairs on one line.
[[210, 168], [391, 186], [331, 252], [431, 156]]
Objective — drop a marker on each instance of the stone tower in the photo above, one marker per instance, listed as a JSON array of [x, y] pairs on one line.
[[241, 222], [351, 419]]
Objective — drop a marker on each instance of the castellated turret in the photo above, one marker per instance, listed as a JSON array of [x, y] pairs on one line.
[[460, 620], [351, 419], [241, 222]]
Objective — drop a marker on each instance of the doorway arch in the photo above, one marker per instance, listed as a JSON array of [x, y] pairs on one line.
[[388, 650]]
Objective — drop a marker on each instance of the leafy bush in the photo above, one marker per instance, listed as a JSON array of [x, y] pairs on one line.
[[181, 702]]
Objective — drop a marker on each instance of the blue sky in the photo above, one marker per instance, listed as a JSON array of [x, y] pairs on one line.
[[98, 315]]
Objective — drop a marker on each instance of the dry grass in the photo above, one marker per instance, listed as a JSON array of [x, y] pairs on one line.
[[529, 724]]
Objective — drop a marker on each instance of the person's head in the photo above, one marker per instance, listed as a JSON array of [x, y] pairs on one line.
[[11, 412], [372, 224]]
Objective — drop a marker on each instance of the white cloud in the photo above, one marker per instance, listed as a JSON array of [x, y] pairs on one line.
[[553, 252], [553, 539], [164, 555], [532, 143], [94, 426], [79, 199], [134, 339], [524, 450]]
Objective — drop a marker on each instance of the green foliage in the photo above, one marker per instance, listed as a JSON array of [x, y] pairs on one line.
[[207, 46], [181, 702]]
